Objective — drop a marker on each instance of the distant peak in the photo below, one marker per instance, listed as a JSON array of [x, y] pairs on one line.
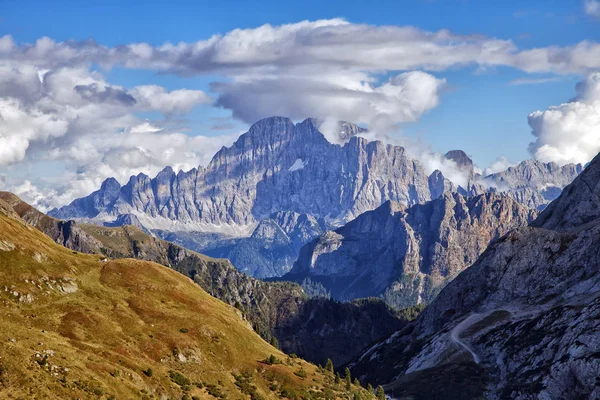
[[270, 122], [110, 183], [460, 158]]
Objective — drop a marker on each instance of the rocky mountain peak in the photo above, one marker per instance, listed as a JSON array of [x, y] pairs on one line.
[[348, 130], [109, 185], [462, 160]]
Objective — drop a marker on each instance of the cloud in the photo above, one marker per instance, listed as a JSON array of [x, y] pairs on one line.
[[499, 165], [533, 81], [72, 116], [569, 132], [152, 97], [402, 98], [312, 44], [592, 7]]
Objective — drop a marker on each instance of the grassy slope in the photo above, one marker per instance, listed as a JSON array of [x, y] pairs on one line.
[[126, 316], [274, 308]]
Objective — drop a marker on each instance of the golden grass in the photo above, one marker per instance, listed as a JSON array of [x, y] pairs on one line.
[[126, 317]]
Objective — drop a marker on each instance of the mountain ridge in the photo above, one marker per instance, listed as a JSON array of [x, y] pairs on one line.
[[521, 319]]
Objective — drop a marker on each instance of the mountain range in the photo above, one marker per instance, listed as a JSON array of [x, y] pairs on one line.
[[279, 169]]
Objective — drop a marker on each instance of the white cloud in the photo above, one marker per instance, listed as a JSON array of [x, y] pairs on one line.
[[570, 132], [402, 98], [74, 117], [533, 81], [499, 165], [316, 44], [592, 7], [154, 97]]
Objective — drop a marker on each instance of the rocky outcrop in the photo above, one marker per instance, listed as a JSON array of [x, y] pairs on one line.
[[406, 254], [522, 320]]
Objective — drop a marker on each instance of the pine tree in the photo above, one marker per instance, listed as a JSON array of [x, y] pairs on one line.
[[337, 378], [355, 396], [348, 379], [370, 388], [329, 365], [380, 394], [274, 342], [356, 382]]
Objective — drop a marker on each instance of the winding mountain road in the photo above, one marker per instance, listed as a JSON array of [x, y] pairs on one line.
[[458, 329]]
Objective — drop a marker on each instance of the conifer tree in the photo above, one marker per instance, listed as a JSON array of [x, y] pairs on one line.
[[380, 394], [348, 379], [329, 365]]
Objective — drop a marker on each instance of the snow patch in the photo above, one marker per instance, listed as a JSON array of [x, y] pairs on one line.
[[297, 165]]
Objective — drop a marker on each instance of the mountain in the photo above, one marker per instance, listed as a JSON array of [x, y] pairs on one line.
[[271, 307], [406, 255], [78, 326], [520, 323], [534, 183], [276, 166], [271, 249]]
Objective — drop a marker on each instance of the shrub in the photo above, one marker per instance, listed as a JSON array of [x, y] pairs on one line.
[[148, 372], [301, 373], [184, 330], [272, 360], [179, 378]]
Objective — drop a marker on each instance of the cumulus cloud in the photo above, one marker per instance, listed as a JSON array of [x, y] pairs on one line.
[[570, 132], [592, 7], [402, 98], [71, 115]]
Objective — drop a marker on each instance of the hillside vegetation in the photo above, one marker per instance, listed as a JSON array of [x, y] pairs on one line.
[[278, 309], [73, 325]]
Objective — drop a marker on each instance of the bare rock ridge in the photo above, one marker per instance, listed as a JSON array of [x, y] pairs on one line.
[[521, 321], [406, 255]]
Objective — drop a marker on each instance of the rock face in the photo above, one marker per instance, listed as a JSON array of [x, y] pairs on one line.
[[275, 166], [406, 254], [523, 319], [278, 309], [534, 183], [272, 248]]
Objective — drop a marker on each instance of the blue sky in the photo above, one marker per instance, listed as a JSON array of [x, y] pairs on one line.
[[479, 110]]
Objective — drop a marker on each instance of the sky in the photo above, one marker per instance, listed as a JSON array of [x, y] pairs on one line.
[[89, 91]]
